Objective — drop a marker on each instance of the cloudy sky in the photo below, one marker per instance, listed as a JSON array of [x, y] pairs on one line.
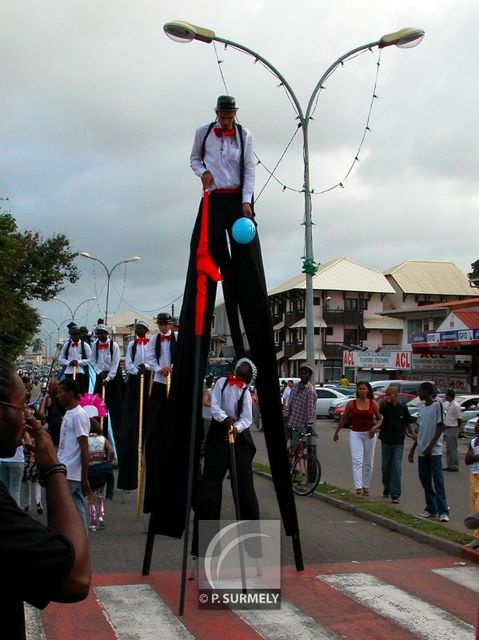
[[99, 108]]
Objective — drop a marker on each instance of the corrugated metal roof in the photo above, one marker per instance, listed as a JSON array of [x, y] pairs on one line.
[[383, 323], [469, 318], [341, 274], [318, 323], [431, 278], [301, 355]]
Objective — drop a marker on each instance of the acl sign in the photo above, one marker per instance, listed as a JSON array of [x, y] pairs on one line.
[[382, 360]]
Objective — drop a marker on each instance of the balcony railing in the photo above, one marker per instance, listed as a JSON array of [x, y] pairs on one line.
[[333, 350], [290, 317], [291, 348], [354, 318]]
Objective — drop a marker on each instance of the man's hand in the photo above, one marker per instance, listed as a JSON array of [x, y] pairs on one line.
[[103, 375], [207, 180], [74, 363], [247, 210], [165, 371], [141, 368], [411, 456]]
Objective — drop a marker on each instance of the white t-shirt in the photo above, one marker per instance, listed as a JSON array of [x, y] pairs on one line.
[[75, 423]]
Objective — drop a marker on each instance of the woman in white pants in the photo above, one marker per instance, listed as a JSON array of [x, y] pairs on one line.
[[366, 419]]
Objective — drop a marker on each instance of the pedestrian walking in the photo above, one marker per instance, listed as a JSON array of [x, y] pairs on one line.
[[73, 446], [452, 427], [430, 424], [392, 432], [366, 419]]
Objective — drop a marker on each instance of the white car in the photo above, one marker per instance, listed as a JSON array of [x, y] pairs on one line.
[[326, 395]]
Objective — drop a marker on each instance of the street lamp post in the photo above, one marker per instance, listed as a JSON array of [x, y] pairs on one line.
[[58, 326], [108, 274], [185, 32], [73, 311]]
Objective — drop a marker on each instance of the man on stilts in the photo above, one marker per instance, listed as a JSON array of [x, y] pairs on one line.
[[222, 157], [138, 381]]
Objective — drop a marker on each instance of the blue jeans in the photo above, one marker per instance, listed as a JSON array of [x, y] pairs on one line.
[[430, 471], [78, 499], [391, 456]]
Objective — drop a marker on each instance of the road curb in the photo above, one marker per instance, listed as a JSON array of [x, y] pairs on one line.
[[452, 548]]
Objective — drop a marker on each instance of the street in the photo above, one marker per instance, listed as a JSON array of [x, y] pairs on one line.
[[335, 459], [360, 581]]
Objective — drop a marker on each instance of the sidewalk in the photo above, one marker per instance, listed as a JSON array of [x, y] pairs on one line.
[[335, 459]]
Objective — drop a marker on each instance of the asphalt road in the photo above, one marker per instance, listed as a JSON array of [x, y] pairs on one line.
[[335, 459]]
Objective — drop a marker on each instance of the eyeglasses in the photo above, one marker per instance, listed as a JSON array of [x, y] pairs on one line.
[[28, 412]]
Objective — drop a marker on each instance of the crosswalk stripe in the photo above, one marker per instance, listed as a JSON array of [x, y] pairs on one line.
[[136, 612], [465, 576], [413, 614], [33, 623], [285, 623]]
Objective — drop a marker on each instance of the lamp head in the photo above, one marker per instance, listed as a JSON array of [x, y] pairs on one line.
[[404, 38], [181, 31]]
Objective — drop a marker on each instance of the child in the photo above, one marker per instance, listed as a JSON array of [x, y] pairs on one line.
[[30, 478], [100, 473], [472, 460]]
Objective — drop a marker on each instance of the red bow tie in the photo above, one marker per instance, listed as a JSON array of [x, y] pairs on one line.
[[142, 340], [226, 133], [167, 338], [75, 344], [103, 345], [234, 381]]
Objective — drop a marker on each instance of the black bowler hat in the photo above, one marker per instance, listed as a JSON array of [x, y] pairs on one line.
[[164, 318], [226, 103]]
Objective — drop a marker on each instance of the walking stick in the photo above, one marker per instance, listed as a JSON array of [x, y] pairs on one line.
[[234, 486], [103, 392], [74, 372], [141, 468]]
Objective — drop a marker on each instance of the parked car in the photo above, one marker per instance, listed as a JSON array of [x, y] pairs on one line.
[[468, 428], [326, 395], [404, 386]]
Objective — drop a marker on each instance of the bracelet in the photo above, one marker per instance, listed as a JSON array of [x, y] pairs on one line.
[[51, 471]]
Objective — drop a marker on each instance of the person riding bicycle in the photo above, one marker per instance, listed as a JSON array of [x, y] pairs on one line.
[[300, 412]]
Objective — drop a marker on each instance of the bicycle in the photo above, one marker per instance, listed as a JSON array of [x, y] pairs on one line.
[[305, 467]]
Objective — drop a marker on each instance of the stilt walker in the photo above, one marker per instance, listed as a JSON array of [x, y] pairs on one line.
[[222, 157]]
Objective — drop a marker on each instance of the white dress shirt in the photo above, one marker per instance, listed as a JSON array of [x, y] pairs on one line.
[[222, 158], [140, 357], [223, 405], [165, 357], [74, 353], [105, 362]]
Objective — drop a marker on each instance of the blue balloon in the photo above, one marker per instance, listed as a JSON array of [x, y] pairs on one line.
[[243, 230]]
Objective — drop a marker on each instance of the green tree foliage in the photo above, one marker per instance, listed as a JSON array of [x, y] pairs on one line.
[[31, 268], [474, 275]]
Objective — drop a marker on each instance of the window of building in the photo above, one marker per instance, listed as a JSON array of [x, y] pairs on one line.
[[276, 337], [351, 304], [329, 331], [350, 336], [317, 301], [300, 335]]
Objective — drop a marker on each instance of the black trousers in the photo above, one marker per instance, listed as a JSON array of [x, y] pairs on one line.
[[128, 461], [216, 465], [157, 406], [244, 289]]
